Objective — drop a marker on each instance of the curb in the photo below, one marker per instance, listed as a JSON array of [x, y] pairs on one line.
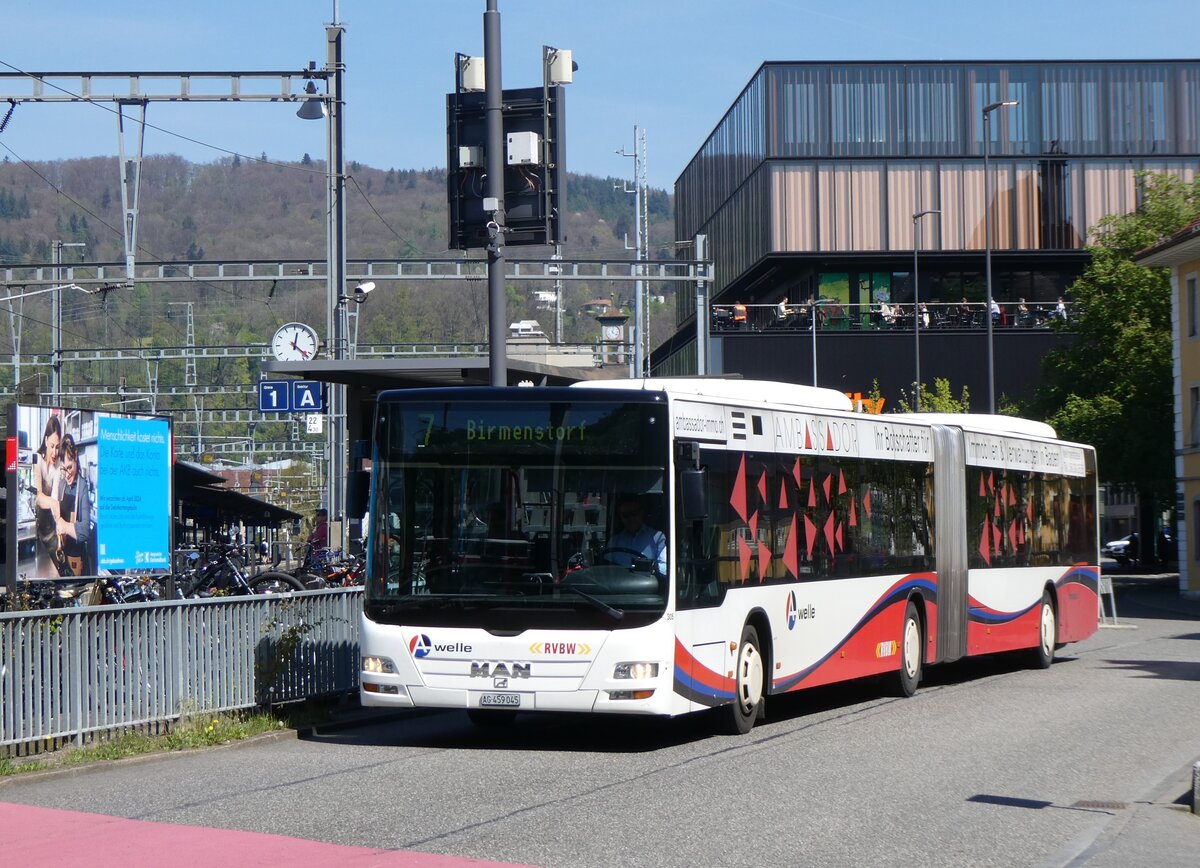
[[156, 756]]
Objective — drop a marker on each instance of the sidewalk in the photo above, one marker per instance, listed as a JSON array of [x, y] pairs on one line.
[[1159, 831], [69, 839], [1158, 591]]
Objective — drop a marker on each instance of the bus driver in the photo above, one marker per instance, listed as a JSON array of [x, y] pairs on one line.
[[635, 538]]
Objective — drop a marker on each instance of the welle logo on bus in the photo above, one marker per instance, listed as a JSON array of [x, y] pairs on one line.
[[421, 646], [795, 614]]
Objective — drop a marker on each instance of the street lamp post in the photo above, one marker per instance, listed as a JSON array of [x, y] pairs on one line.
[[917, 304], [987, 240], [56, 318], [812, 315]]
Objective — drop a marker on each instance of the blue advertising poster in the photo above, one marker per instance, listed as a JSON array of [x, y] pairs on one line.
[[133, 493]]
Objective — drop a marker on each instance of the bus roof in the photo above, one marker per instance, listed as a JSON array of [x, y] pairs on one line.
[[988, 424], [752, 391], [769, 392]]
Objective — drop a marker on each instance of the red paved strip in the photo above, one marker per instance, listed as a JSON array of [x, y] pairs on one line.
[[31, 836]]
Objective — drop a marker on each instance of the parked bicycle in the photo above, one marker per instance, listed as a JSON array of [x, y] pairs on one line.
[[343, 573], [328, 568], [221, 572]]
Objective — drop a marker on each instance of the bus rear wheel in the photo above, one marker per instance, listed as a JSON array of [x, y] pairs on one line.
[[911, 651], [1043, 654], [748, 683]]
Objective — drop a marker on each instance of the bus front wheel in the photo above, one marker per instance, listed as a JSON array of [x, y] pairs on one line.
[[748, 683]]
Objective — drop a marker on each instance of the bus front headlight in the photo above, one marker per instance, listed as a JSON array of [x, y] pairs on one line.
[[634, 671], [378, 665]]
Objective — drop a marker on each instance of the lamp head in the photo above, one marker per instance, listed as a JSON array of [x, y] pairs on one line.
[[360, 291], [313, 108]]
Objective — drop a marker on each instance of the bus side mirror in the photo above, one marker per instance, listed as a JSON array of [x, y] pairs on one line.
[[693, 489], [358, 492]]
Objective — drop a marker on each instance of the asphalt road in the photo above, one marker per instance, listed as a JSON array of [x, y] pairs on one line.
[[989, 764]]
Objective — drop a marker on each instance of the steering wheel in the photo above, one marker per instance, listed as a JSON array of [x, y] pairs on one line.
[[634, 554]]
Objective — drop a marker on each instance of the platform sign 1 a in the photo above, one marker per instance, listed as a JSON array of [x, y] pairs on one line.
[[306, 396], [274, 396]]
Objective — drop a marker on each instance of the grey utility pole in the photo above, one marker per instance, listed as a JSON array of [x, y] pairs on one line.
[[336, 289], [494, 201]]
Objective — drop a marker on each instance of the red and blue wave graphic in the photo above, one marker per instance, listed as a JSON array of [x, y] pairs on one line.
[[857, 655]]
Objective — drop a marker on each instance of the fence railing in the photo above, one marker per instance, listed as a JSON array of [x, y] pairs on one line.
[[839, 316], [68, 673]]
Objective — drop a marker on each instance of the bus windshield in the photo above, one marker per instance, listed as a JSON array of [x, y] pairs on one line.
[[519, 514]]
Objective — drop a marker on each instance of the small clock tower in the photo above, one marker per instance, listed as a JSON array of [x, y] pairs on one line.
[[613, 345]]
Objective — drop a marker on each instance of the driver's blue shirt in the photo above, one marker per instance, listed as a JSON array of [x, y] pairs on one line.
[[650, 542]]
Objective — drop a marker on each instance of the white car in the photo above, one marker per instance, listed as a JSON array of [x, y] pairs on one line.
[[1117, 548]]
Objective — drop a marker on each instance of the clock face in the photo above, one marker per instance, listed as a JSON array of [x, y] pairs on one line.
[[612, 332], [294, 342]]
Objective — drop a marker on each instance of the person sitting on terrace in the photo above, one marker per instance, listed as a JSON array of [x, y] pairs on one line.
[[887, 313]]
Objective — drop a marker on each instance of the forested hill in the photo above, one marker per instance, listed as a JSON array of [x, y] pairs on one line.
[[237, 209]]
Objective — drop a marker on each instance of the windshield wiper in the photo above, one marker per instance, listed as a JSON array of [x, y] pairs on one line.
[[612, 612]]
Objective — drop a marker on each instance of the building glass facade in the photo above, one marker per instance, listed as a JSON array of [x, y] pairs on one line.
[[818, 168]]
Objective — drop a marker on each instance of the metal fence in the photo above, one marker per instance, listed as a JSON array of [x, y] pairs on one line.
[[69, 673]]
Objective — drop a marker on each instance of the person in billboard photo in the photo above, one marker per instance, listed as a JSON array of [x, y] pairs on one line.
[[48, 494], [75, 510]]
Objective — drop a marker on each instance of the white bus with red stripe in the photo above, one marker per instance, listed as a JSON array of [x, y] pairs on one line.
[[805, 544]]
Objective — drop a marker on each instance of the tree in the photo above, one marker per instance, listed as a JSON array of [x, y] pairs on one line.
[[939, 399], [1113, 387]]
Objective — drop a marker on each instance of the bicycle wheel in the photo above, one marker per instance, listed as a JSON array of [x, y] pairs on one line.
[[274, 582]]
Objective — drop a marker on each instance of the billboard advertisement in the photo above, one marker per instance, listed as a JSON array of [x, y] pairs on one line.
[[89, 493]]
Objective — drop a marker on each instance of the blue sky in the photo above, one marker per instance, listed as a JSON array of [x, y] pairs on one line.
[[669, 66]]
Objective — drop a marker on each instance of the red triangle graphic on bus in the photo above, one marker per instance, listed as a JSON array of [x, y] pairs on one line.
[[791, 551], [744, 558], [841, 482], [810, 535], [764, 563], [738, 498], [783, 498], [797, 476], [762, 486]]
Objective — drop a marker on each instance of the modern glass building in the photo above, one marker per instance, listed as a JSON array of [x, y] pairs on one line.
[[808, 187]]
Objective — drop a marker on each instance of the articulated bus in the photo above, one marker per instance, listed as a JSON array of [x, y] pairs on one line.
[[803, 544]]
